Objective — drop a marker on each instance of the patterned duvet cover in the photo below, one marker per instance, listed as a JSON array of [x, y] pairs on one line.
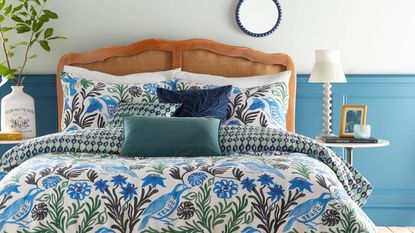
[[267, 181]]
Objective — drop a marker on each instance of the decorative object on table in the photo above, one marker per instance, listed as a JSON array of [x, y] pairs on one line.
[[355, 143], [362, 131], [10, 136], [337, 139], [352, 115], [327, 69], [30, 19], [258, 18], [18, 113]]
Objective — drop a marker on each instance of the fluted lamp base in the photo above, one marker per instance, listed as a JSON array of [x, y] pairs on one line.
[[326, 112]]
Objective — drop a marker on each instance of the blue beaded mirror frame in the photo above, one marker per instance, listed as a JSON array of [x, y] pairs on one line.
[[238, 20]]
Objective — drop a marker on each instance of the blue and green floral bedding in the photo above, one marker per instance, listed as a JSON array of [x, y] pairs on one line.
[[266, 181]]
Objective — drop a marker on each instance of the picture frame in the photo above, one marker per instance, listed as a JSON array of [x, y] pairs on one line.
[[351, 115]]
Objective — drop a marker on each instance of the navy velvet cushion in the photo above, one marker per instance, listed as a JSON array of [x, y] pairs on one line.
[[170, 136], [198, 103]]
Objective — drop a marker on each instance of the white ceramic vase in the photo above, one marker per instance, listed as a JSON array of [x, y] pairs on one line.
[[362, 131], [18, 113]]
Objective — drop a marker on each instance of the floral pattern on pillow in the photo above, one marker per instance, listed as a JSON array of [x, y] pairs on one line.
[[264, 106], [90, 104], [199, 103]]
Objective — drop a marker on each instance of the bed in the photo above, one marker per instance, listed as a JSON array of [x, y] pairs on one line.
[[273, 181]]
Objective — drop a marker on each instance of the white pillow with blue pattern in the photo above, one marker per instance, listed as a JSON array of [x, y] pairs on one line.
[[90, 104], [262, 106]]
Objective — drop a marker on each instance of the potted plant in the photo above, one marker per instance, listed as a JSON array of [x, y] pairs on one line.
[[27, 19]]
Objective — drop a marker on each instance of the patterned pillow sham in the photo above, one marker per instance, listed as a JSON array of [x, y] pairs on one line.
[[263, 106], [90, 104], [141, 109]]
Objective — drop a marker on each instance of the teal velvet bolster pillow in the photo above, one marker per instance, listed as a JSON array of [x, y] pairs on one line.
[[170, 136]]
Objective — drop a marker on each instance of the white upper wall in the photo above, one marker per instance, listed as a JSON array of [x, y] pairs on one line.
[[375, 36]]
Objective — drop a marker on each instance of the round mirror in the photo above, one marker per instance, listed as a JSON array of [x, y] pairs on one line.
[[258, 17]]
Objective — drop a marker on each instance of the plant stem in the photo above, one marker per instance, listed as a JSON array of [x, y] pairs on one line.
[[5, 51], [29, 45], [25, 59], [4, 47]]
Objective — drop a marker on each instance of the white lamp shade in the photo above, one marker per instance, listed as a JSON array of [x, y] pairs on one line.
[[327, 68]]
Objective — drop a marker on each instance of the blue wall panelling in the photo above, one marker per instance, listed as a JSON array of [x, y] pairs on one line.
[[391, 112]]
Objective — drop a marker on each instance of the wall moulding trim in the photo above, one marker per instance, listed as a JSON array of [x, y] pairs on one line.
[[36, 79], [392, 198], [379, 97], [372, 79]]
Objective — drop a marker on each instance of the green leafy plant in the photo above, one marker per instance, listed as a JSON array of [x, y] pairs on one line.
[[26, 19]]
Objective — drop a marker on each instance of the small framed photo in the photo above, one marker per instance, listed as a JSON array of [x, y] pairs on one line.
[[351, 115]]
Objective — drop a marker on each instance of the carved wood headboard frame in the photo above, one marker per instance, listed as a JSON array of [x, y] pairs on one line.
[[196, 55]]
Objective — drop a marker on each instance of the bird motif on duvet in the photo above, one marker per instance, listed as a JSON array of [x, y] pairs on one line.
[[161, 208], [17, 211], [308, 211], [111, 169], [255, 167], [118, 169]]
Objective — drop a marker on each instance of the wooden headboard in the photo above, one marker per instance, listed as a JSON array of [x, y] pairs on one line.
[[197, 55]]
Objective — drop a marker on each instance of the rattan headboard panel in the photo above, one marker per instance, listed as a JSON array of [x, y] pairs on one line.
[[206, 62], [197, 55], [148, 61]]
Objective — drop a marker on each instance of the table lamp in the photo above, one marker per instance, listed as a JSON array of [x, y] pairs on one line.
[[327, 69]]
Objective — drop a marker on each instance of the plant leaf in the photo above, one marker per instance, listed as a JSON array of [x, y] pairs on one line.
[[44, 18], [3, 69], [48, 33], [20, 43], [6, 72], [17, 8], [37, 25], [8, 10], [2, 3], [57, 38], [17, 19], [45, 45], [5, 29], [51, 14], [33, 11], [22, 28]]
